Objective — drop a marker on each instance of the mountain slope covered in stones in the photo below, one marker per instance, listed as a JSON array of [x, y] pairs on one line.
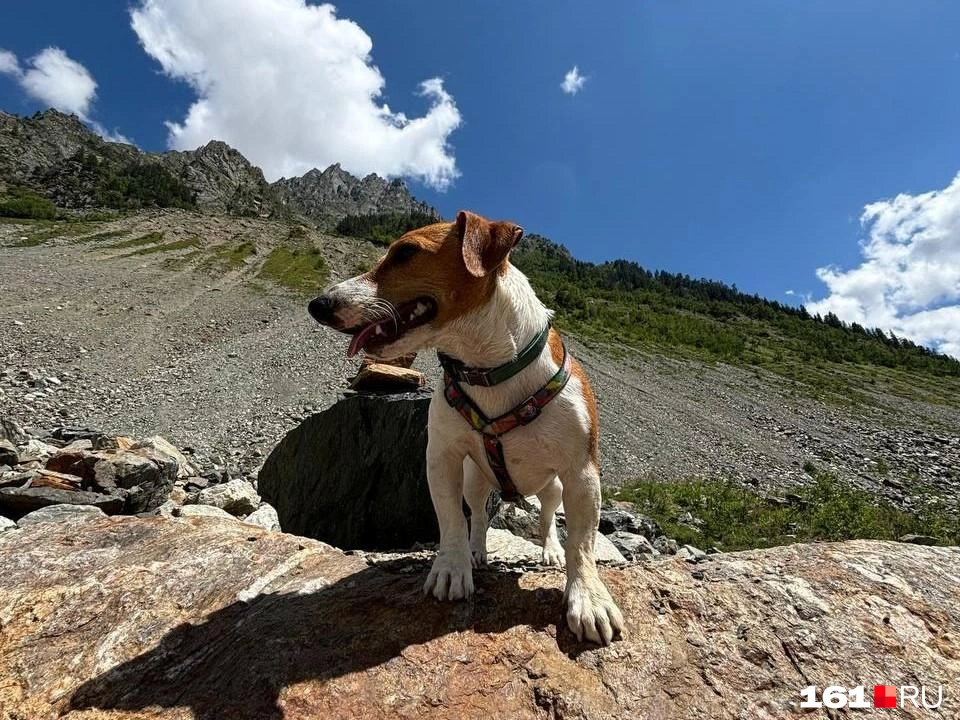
[[189, 322], [193, 326]]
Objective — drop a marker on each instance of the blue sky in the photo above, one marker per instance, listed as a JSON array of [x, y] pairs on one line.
[[739, 141]]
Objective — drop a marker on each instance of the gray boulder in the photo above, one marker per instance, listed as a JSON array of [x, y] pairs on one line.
[[631, 545], [503, 546], [264, 516], [8, 453], [518, 520], [147, 471], [6, 524], [354, 475], [615, 519], [58, 513], [236, 497], [606, 551], [202, 511], [17, 502], [11, 431]]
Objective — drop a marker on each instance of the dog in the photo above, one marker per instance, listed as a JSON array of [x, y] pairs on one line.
[[451, 286]]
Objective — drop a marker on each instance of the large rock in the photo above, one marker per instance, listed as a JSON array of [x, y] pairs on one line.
[[616, 519], [188, 511], [130, 618], [8, 453], [17, 502], [355, 475], [264, 516], [10, 430], [236, 497], [59, 513]]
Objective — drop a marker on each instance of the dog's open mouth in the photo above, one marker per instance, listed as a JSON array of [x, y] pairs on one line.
[[389, 328]]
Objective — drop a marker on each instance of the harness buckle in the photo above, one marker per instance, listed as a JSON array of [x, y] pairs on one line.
[[474, 376], [528, 412]]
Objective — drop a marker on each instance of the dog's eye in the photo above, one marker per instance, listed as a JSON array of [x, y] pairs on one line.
[[404, 253]]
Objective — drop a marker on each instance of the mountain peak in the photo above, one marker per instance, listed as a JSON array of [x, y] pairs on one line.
[[57, 155], [333, 194]]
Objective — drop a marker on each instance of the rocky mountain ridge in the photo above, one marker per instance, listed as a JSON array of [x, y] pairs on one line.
[[334, 193], [57, 156]]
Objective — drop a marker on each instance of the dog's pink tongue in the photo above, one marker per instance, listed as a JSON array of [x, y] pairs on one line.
[[360, 339]]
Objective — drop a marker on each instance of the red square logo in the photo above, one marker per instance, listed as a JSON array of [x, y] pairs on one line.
[[885, 696]]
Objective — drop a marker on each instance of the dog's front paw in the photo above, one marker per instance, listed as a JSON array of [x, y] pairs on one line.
[[451, 577], [591, 612], [552, 553]]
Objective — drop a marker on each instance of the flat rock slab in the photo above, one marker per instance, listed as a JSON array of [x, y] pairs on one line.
[[60, 513], [17, 502], [184, 618]]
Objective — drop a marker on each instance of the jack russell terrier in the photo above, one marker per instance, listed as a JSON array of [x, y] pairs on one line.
[[527, 425]]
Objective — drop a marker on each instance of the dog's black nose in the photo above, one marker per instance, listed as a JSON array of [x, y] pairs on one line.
[[321, 309]]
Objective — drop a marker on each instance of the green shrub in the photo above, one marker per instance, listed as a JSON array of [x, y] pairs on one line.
[[732, 517], [383, 228], [24, 203], [300, 268]]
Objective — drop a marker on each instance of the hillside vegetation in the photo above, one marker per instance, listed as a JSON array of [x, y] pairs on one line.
[[620, 303]]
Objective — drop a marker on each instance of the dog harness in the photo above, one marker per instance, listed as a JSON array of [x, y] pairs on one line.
[[455, 372]]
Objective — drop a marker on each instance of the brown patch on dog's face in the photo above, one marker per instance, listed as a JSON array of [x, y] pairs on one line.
[[428, 277], [456, 264]]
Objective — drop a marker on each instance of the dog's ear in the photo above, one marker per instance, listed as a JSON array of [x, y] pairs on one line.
[[485, 244]]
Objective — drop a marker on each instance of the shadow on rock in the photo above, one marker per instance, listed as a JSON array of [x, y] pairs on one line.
[[239, 660]]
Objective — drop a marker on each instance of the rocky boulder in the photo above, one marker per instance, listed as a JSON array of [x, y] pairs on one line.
[[354, 475], [130, 618], [236, 497], [80, 466]]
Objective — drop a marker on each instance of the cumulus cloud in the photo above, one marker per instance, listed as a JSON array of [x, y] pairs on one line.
[[573, 81], [909, 280], [8, 63], [293, 87], [56, 80]]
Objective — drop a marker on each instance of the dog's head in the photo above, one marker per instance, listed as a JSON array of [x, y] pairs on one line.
[[428, 278]]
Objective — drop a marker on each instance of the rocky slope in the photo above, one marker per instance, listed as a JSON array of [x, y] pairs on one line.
[[171, 338], [207, 618], [334, 193], [59, 157]]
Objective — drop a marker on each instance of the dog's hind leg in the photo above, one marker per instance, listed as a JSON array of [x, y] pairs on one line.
[[591, 612], [550, 498], [476, 490]]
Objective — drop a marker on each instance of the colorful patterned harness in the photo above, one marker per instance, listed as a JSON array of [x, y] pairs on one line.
[[455, 372]]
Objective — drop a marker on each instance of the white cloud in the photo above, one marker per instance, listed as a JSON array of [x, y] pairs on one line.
[[293, 87], [909, 280], [109, 135], [573, 81], [57, 80], [8, 63]]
